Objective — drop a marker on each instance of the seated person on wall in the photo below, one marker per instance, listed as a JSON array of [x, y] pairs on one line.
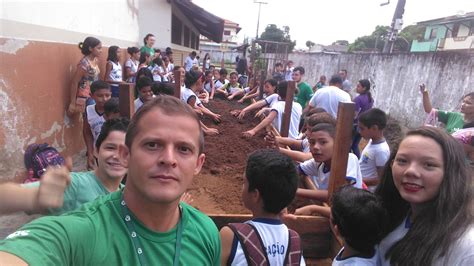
[[275, 116], [270, 184], [143, 224], [50, 195], [232, 89]]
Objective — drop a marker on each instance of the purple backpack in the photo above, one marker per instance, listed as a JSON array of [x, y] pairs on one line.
[[38, 157]]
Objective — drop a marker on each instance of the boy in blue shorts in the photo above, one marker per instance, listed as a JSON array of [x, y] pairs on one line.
[[359, 219], [270, 184], [376, 153]]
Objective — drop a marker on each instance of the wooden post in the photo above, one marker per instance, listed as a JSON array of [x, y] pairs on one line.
[[260, 87], [126, 99], [342, 144], [285, 123], [177, 84]]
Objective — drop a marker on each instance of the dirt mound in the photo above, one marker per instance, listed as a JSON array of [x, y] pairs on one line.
[[217, 189]]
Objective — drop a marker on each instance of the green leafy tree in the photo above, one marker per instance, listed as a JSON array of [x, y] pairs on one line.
[[310, 44], [275, 34]]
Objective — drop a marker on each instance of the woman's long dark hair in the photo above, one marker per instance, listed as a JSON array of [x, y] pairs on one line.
[[365, 83], [442, 220], [112, 54]]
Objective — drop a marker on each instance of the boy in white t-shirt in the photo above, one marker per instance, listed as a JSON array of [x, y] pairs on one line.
[[145, 92], [375, 155], [275, 116], [359, 219], [270, 183], [321, 142], [232, 89]]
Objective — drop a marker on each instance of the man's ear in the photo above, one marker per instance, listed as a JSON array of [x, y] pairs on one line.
[[124, 155], [199, 163]]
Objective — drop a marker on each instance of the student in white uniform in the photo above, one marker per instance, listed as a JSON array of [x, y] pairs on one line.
[[131, 65], [428, 194], [270, 97], [321, 142], [275, 116], [145, 92], [375, 154], [113, 69], [270, 184], [359, 219], [94, 118]]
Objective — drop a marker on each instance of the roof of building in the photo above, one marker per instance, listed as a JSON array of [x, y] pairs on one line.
[[231, 24], [450, 19], [207, 23]]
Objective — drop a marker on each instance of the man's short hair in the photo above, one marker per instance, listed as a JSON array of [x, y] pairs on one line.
[[319, 118], [223, 72], [360, 218], [282, 88], [99, 85], [144, 82], [300, 69], [274, 175], [335, 79], [193, 53], [117, 124], [160, 88], [112, 106], [343, 70], [279, 64], [373, 117], [169, 105]]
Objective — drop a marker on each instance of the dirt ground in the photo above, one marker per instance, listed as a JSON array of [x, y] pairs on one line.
[[218, 188]]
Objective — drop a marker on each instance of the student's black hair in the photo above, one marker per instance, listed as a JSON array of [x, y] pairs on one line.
[[373, 117], [112, 53], [300, 69], [365, 83], [282, 89], [144, 82], [360, 217], [274, 175], [164, 88], [335, 79], [207, 72], [132, 50], [319, 118], [441, 221], [117, 124], [157, 51], [111, 106], [89, 42], [344, 70], [313, 110], [158, 61], [144, 71], [470, 95], [98, 85], [278, 64], [242, 66], [233, 73], [191, 77], [326, 127], [193, 53], [272, 82], [143, 56], [223, 71], [146, 38]]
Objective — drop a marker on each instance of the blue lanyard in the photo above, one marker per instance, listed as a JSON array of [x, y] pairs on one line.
[[137, 246]]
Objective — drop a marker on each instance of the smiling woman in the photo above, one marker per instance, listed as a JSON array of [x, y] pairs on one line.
[[426, 186]]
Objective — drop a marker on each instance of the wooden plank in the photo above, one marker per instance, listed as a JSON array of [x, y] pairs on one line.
[[262, 81], [313, 230], [285, 123], [342, 144], [177, 84], [126, 99]]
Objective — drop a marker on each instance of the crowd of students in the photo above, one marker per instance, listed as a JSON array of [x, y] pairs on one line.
[[408, 206]]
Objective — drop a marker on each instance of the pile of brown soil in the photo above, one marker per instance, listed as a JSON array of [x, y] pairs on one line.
[[218, 188]]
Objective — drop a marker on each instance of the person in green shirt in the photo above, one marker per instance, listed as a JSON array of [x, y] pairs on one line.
[[148, 42], [52, 195], [305, 92], [143, 224], [452, 120]]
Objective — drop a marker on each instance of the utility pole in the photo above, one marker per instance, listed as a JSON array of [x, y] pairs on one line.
[[259, 7], [396, 25]]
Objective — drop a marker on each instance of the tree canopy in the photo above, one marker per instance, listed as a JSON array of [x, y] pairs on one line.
[[275, 34], [376, 40]]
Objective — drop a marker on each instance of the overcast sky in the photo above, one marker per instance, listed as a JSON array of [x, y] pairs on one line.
[[325, 21]]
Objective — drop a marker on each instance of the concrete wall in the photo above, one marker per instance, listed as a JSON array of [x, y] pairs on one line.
[[448, 76], [38, 56]]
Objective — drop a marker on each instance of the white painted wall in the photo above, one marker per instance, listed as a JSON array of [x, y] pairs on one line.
[[155, 18], [110, 20], [458, 43]]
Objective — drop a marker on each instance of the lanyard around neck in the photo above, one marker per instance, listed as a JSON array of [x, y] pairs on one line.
[[127, 217]]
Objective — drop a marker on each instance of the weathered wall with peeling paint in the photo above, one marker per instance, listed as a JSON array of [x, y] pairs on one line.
[[448, 76], [34, 91]]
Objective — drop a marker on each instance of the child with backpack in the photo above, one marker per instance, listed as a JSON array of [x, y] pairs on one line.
[[359, 219], [270, 184]]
